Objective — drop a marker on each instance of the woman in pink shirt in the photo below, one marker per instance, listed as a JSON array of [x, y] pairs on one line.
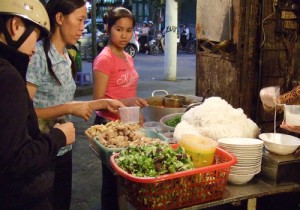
[[115, 77]]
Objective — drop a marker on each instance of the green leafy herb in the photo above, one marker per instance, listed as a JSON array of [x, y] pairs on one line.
[[173, 121], [153, 160]]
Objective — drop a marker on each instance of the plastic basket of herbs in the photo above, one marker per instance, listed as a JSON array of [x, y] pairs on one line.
[[115, 136], [178, 189]]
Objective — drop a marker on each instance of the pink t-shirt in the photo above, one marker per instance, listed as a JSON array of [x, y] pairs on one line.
[[122, 75]]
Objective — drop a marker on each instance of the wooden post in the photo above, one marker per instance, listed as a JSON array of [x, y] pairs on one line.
[[232, 72]]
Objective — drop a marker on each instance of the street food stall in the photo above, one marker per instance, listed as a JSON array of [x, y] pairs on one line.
[[237, 44], [238, 154]]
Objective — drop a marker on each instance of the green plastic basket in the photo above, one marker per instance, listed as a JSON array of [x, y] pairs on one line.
[[105, 152]]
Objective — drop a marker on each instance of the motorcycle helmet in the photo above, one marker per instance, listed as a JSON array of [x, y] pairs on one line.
[[150, 22], [32, 12]]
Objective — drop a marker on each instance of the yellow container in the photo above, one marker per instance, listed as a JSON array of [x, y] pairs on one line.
[[200, 148]]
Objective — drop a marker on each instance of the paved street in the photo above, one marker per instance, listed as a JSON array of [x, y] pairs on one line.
[[86, 166]]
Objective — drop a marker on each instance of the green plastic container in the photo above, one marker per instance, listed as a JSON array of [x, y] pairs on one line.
[[105, 152]]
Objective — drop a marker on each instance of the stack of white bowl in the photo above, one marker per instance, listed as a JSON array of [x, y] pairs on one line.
[[248, 152]]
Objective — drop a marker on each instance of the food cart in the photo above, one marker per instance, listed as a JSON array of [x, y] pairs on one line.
[[271, 180], [262, 185]]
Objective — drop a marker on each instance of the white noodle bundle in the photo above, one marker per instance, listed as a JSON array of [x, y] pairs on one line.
[[215, 118]]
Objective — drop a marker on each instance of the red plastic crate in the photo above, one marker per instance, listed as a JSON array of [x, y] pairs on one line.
[[178, 190]]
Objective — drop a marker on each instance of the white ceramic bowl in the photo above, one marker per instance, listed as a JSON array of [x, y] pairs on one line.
[[281, 144], [247, 164], [240, 142], [168, 117], [242, 171], [239, 179]]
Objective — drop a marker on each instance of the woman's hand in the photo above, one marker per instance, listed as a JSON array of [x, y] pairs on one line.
[[81, 109], [269, 97], [113, 105], [136, 101], [69, 131], [291, 128]]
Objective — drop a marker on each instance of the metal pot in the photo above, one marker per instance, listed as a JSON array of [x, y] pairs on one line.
[[174, 101], [157, 109]]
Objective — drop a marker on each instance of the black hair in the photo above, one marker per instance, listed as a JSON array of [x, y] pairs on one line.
[[65, 7], [117, 13], [3, 21], [29, 25]]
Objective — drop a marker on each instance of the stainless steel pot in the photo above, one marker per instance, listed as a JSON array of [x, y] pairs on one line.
[[156, 109], [174, 101]]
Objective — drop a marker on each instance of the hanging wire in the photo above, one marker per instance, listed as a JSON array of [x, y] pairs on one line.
[[265, 19]]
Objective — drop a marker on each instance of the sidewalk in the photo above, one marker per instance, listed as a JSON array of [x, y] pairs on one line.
[[86, 166]]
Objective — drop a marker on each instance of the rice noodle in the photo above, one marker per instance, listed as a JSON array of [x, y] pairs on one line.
[[215, 118]]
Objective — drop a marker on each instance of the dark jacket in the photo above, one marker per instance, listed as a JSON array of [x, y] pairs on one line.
[[25, 153]]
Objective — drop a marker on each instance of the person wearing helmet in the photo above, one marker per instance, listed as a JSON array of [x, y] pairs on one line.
[[26, 154], [51, 85], [184, 36], [144, 31], [152, 31]]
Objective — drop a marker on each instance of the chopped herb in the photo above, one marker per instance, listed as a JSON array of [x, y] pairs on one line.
[[173, 121], [153, 160]]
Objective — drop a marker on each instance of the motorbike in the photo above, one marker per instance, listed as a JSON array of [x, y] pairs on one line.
[[157, 44], [144, 44], [101, 41], [191, 46]]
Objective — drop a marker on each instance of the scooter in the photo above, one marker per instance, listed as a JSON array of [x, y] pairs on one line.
[[102, 41], [157, 45], [191, 46]]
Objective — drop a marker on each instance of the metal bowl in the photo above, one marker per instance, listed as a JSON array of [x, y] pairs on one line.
[[168, 117], [157, 109], [174, 101]]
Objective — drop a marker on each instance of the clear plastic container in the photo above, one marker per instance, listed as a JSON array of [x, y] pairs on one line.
[[152, 125], [130, 114], [200, 148], [292, 114]]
